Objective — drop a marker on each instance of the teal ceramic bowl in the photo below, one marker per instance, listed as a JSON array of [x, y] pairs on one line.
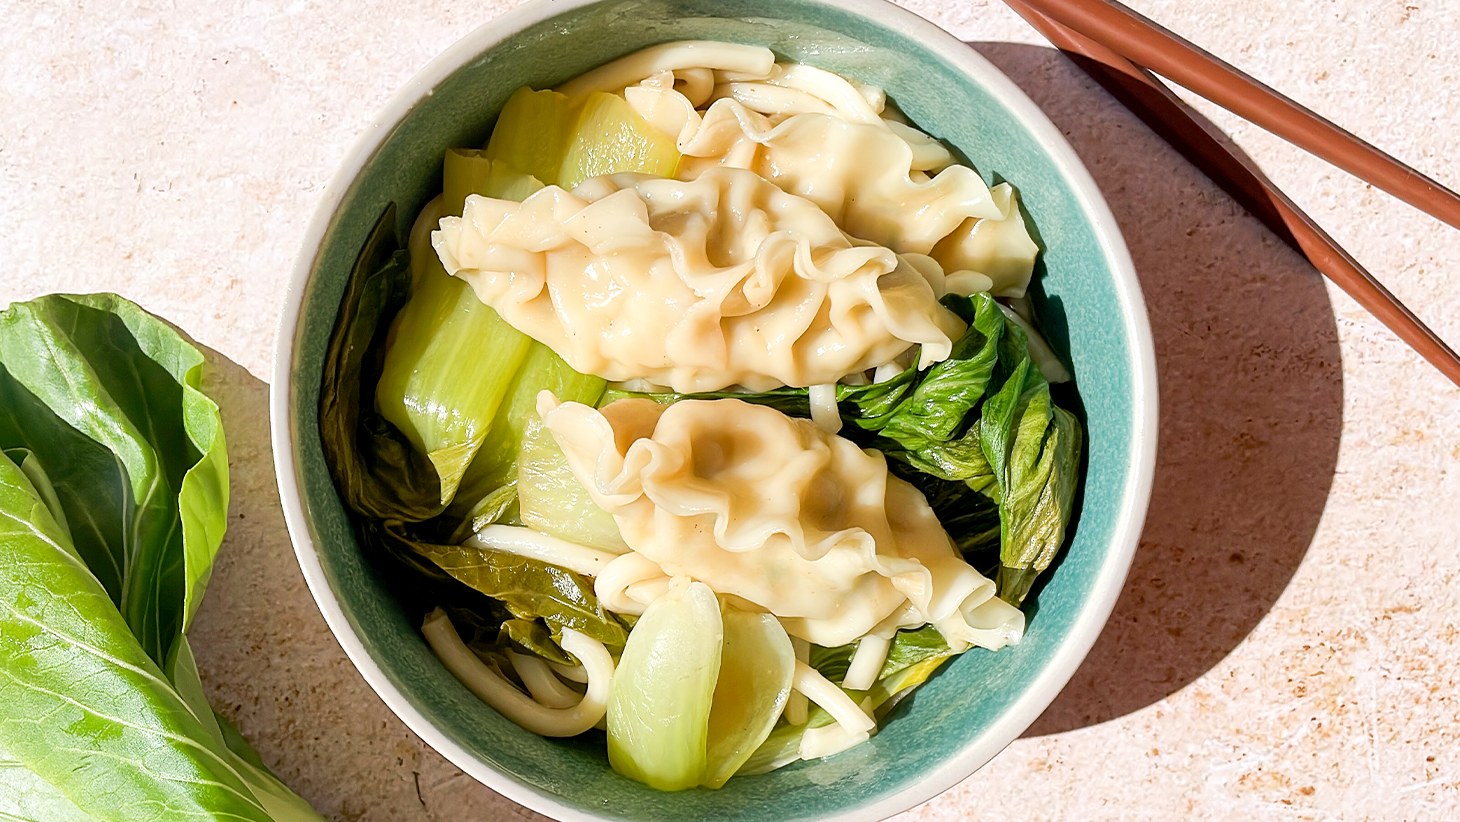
[[979, 703]]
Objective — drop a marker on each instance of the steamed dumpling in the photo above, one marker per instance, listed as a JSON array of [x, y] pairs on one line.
[[778, 513], [819, 136], [696, 285]]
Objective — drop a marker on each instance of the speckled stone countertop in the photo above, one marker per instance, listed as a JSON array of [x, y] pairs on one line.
[[1286, 646]]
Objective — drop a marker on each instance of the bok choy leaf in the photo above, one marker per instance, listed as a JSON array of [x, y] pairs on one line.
[[1033, 447], [375, 468], [449, 360], [109, 525], [529, 589], [663, 690], [125, 382]]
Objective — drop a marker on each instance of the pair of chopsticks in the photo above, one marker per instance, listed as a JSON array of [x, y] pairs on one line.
[[1120, 49]]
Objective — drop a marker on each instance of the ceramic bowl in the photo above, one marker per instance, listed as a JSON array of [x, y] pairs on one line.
[[1091, 304]]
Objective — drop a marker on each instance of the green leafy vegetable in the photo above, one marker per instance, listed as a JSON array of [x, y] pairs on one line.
[[968, 514], [756, 668], [375, 468], [119, 377], [448, 372], [542, 370], [498, 505], [25, 796], [467, 171], [529, 589], [564, 140], [531, 636], [660, 698], [935, 403], [533, 131], [789, 401], [909, 647], [555, 502], [102, 713], [611, 137], [1033, 447], [449, 361]]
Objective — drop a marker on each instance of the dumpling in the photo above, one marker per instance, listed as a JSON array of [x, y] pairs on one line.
[[778, 513], [819, 136], [700, 285]]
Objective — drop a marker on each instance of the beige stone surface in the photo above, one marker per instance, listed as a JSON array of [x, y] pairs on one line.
[[1286, 647]]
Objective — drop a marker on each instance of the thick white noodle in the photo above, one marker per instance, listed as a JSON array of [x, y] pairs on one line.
[[773, 101], [886, 371], [866, 663], [626, 572], [966, 283], [572, 673], [525, 542], [823, 407], [796, 708], [514, 704], [847, 100], [645, 591], [828, 740], [696, 84], [541, 682], [756, 61], [832, 699]]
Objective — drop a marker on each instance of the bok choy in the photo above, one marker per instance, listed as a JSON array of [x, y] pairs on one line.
[[427, 394], [113, 503]]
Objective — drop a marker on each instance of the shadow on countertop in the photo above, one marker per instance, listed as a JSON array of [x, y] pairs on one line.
[[1251, 403]]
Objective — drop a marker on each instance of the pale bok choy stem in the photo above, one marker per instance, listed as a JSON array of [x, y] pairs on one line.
[[832, 699], [541, 682], [525, 542], [514, 704], [866, 663]]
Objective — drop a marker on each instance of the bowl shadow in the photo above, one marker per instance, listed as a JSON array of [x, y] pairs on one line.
[[1251, 398]]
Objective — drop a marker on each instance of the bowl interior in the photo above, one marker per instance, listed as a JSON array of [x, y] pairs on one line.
[[979, 702]]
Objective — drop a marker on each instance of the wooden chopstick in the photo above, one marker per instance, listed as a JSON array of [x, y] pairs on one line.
[[1208, 149], [1147, 44]]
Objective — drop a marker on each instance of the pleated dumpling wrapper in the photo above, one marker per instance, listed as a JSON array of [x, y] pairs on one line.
[[701, 285], [821, 136], [776, 512]]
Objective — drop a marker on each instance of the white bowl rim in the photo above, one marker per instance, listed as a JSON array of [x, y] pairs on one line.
[[1126, 533]]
